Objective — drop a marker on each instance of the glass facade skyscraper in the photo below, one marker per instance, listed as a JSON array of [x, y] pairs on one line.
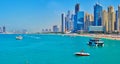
[[63, 23], [117, 22], [97, 15], [69, 22], [4, 29], [75, 23], [77, 8], [80, 20], [55, 28]]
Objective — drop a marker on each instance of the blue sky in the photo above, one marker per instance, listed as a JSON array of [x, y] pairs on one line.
[[34, 15]]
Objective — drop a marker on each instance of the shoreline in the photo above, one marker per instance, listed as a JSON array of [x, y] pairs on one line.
[[104, 36]]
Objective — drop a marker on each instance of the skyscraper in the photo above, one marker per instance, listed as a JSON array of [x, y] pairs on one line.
[[119, 18], [0, 30], [111, 19], [43, 30], [63, 23], [77, 8], [75, 23], [4, 29], [80, 20], [116, 21], [69, 22], [88, 21], [97, 15], [91, 19], [55, 28], [105, 20], [72, 22]]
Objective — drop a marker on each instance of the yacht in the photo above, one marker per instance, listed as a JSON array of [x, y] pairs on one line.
[[19, 37], [96, 42]]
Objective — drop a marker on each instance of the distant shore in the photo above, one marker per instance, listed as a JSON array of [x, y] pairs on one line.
[[105, 36]]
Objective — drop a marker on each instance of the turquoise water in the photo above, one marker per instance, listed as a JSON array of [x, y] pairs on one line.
[[55, 49]]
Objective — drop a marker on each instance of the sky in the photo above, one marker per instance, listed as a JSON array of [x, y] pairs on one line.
[[35, 15]]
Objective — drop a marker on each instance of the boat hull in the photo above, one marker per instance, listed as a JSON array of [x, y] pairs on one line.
[[82, 54]]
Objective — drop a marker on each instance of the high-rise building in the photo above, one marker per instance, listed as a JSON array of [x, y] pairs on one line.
[[119, 18], [75, 23], [91, 18], [105, 20], [88, 21], [77, 8], [72, 22], [69, 22], [0, 30], [80, 20], [116, 22], [46, 30], [24, 31], [63, 23], [49, 30], [111, 19], [43, 30], [55, 28], [4, 29], [97, 15]]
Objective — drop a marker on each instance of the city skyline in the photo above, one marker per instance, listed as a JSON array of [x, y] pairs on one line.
[[32, 14]]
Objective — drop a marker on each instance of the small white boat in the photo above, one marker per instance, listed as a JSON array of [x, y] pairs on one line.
[[82, 54], [19, 37]]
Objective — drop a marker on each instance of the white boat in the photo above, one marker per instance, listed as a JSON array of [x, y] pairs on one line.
[[19, 37], [82, 54]]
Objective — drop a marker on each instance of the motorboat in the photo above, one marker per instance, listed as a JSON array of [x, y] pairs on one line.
[[19, 37], [82, 54], [96, 42]]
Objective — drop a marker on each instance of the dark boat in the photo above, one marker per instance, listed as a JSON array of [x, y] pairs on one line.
[[96, 42]]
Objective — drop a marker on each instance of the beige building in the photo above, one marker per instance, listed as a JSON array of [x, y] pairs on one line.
[[105, 20], [88, 21], [111, 19], [91, 18], [118, 19]]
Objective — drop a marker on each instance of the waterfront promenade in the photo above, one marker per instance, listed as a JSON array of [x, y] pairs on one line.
[[106, 36]]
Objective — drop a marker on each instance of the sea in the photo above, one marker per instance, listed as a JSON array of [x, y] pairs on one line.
[[55, 49]]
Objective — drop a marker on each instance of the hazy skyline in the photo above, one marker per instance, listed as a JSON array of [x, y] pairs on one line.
[[34, 15]]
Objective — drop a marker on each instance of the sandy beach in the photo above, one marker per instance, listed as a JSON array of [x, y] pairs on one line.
[[106, 36]]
